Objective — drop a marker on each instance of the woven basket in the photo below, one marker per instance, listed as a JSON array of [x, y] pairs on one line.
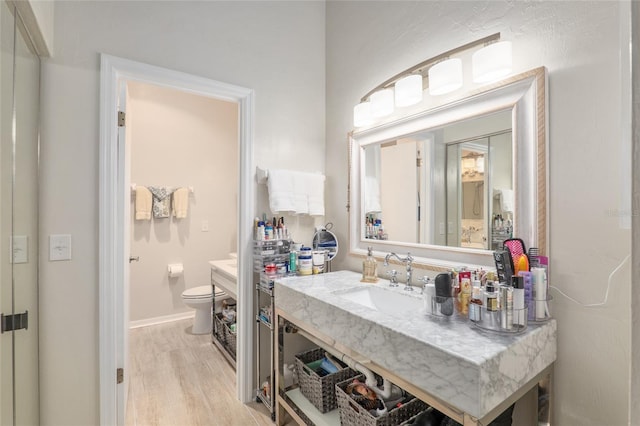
[[320, 391], [219, 328], [353, 414], [231, 339]]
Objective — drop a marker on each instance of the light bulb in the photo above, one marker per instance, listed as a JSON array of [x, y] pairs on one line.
[[382, 103], [492, 62], [445, 77], [362, 114], [408, 90]]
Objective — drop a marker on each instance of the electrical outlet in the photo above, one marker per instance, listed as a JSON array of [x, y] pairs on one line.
[[59, 247]]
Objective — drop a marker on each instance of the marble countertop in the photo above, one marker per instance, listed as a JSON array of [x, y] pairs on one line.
[[225, 274], [471, 369]]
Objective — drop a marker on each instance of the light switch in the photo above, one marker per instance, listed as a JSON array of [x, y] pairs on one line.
[[59, 247], [19, 249], [205, 226]]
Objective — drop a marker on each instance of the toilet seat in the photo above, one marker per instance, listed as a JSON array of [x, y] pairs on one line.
[[202, 292]]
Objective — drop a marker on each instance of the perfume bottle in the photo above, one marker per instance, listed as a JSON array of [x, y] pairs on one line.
[[369, 268]]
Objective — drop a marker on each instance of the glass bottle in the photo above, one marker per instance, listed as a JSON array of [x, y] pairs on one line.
[[370, 268]]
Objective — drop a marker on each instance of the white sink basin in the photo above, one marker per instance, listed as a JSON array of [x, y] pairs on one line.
[[382, 300]]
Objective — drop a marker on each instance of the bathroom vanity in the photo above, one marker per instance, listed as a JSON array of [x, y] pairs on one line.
[[224, 274], [469, 374]]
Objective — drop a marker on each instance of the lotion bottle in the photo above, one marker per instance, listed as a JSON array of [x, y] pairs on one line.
[[370, 268]]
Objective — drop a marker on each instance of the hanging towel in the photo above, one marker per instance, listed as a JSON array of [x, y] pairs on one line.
[[180, 203], [280, 187], [143, 203], [161, 200], [372, 195], [300, 193], [315, 194], [505, 199]]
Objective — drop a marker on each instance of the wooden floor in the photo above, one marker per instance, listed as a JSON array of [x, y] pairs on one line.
[[180, 379]]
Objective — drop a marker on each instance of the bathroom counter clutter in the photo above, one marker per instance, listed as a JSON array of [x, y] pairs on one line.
[[471, 373], [225, 274]]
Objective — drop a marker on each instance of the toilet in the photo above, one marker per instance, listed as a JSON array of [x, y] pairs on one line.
[[200, 299]]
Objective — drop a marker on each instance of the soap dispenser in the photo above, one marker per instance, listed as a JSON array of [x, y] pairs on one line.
[[369, 268]]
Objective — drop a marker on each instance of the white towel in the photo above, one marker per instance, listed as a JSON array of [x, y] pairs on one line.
[[300, 193], [280, 185], [180, 204], [508, 202], [315, 194], [505, 199], [372, 195], [143, 203]]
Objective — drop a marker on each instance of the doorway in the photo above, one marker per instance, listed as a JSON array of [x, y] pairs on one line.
[[183, 145], [116, 73]]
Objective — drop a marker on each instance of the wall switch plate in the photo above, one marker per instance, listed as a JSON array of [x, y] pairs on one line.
[[18, 249], [59, 247], [205, 226], [441, 228]]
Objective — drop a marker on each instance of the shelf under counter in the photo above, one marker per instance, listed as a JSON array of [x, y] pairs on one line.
[[303, 411], [307, 303]]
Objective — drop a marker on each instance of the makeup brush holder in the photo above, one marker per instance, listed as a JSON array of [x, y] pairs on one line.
[[511, 321]]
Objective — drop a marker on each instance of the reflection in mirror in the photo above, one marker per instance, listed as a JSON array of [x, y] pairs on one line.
[[452, 183], [450, 186]]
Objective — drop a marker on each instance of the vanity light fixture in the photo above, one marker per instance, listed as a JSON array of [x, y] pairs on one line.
[[441, 74], [492, 62], [445, 77]]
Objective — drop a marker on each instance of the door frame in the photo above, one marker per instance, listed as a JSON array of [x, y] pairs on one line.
[[114, 72]]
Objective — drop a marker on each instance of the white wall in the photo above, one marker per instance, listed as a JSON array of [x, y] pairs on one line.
[[179, 139], [368, 42], [275, 48]]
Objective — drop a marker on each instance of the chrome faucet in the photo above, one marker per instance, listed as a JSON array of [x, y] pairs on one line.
[[407, 261]]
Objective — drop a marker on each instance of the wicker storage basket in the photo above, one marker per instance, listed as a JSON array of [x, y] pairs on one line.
[[320, 391], [219, 328], [230, 337], [353, 414]]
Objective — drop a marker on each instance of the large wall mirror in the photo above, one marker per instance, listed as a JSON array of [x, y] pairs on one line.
[[452, 183]]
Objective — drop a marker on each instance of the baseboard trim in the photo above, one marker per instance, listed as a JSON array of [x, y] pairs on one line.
[[161, 320]]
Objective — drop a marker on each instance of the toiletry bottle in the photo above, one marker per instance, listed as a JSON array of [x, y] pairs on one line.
[[260, 231], [475, 304], [492, 297], [428, 294], [519, 317], [369, 268], [305, 261], [465, 292], [506, 306], [293, 261]]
